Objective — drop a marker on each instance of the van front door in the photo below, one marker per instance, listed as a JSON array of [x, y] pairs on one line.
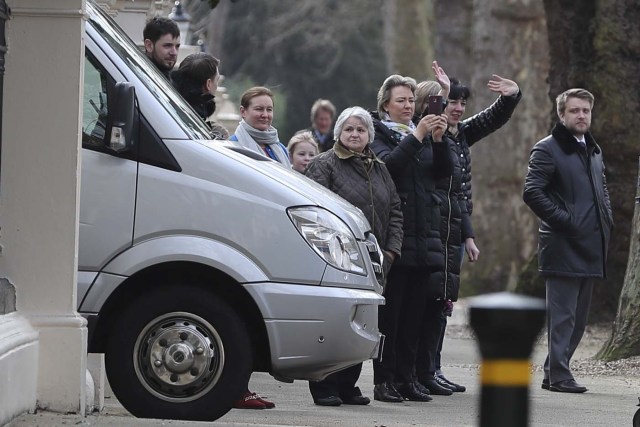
[[108, 185]]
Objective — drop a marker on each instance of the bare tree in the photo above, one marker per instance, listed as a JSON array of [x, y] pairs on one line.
[[307, 50], [625, 338], [453, 44], [408, 36]]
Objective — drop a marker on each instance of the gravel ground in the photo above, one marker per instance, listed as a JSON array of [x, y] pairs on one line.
[[594, 338]]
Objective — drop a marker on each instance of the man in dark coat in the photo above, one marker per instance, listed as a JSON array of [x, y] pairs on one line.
[[566, 188]]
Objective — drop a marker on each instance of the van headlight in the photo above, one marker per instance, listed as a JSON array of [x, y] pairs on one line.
[[329, 237]]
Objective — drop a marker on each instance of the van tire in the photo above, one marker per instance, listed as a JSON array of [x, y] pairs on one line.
[[178, 353]]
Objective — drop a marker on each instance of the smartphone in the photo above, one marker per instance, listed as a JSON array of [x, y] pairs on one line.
[[435, 105]]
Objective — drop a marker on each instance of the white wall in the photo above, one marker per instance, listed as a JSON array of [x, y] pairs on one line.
[[39, 198]]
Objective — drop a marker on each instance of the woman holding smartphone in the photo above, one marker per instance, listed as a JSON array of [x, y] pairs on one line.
[[416, 158]]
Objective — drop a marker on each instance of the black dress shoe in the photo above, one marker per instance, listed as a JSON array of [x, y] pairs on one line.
[[386, 392], [545, 384], [435, 388], [328, 401], [422, 389], [567, 386], [355, 400], [410, 392], [443, 381]]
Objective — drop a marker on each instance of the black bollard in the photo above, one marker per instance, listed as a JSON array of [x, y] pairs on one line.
[[506, 326]]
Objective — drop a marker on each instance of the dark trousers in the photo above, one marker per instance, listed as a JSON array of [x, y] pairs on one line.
[[568, 302], [431, 339], [443, 326], [399, 320], [341, 384]]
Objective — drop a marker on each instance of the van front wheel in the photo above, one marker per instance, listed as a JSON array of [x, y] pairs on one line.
[[179, 353]]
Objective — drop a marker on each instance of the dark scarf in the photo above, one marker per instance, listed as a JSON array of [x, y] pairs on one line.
[[367, 156], [203, 103]]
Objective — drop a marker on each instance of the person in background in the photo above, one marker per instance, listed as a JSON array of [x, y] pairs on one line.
[[255, 131], [566, 188], [322, 114], [351, 170], [415, 157], [196, 79], [302, 149], [161, 43]]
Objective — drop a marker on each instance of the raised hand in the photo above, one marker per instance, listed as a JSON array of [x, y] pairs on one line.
[[503, 86], [441, 77]]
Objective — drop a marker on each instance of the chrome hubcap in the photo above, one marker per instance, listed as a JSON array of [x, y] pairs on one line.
[[178, 357]]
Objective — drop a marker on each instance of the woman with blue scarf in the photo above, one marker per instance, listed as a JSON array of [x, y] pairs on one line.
[[255, 131]]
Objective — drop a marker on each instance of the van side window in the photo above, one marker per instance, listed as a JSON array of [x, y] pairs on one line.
[[94, 105]]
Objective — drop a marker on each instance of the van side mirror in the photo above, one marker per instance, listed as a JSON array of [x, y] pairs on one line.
[[122, 117]]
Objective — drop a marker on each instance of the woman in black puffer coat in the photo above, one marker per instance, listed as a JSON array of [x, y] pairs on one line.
[[444, 284], [416, 162]]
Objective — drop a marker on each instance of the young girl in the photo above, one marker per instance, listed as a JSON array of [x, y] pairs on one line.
[[302, 148]]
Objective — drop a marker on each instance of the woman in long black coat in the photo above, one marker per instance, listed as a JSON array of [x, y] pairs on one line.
[[416, 158]]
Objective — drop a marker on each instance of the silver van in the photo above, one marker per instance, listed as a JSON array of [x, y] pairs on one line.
[[200, 263]]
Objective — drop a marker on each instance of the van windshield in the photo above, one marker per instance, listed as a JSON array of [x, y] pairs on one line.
[[148, 74]]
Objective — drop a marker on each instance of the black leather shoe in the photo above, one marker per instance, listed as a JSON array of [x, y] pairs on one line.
[[386, 392], [545, 384], [410, 392], [355, 400], [422, 389], [567, 386], [443, 381], [354, 397], [328, 401], [435, 388]]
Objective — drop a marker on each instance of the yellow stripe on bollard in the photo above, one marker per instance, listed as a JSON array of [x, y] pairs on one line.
[[505, 373]]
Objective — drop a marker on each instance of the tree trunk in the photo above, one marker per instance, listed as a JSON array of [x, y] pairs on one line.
[[625, 339], [408, 35], [453, 37], [216, 26], [595, 44], [509, 40]]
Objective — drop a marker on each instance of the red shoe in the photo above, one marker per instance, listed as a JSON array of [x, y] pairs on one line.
[[266, 403], [249, 401]]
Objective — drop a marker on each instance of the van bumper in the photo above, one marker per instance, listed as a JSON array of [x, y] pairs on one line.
[[316, 330]]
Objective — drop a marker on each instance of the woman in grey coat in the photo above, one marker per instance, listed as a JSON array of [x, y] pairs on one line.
[[351, 170]]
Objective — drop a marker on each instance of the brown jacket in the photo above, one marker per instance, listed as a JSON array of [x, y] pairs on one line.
[[365, 183]]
